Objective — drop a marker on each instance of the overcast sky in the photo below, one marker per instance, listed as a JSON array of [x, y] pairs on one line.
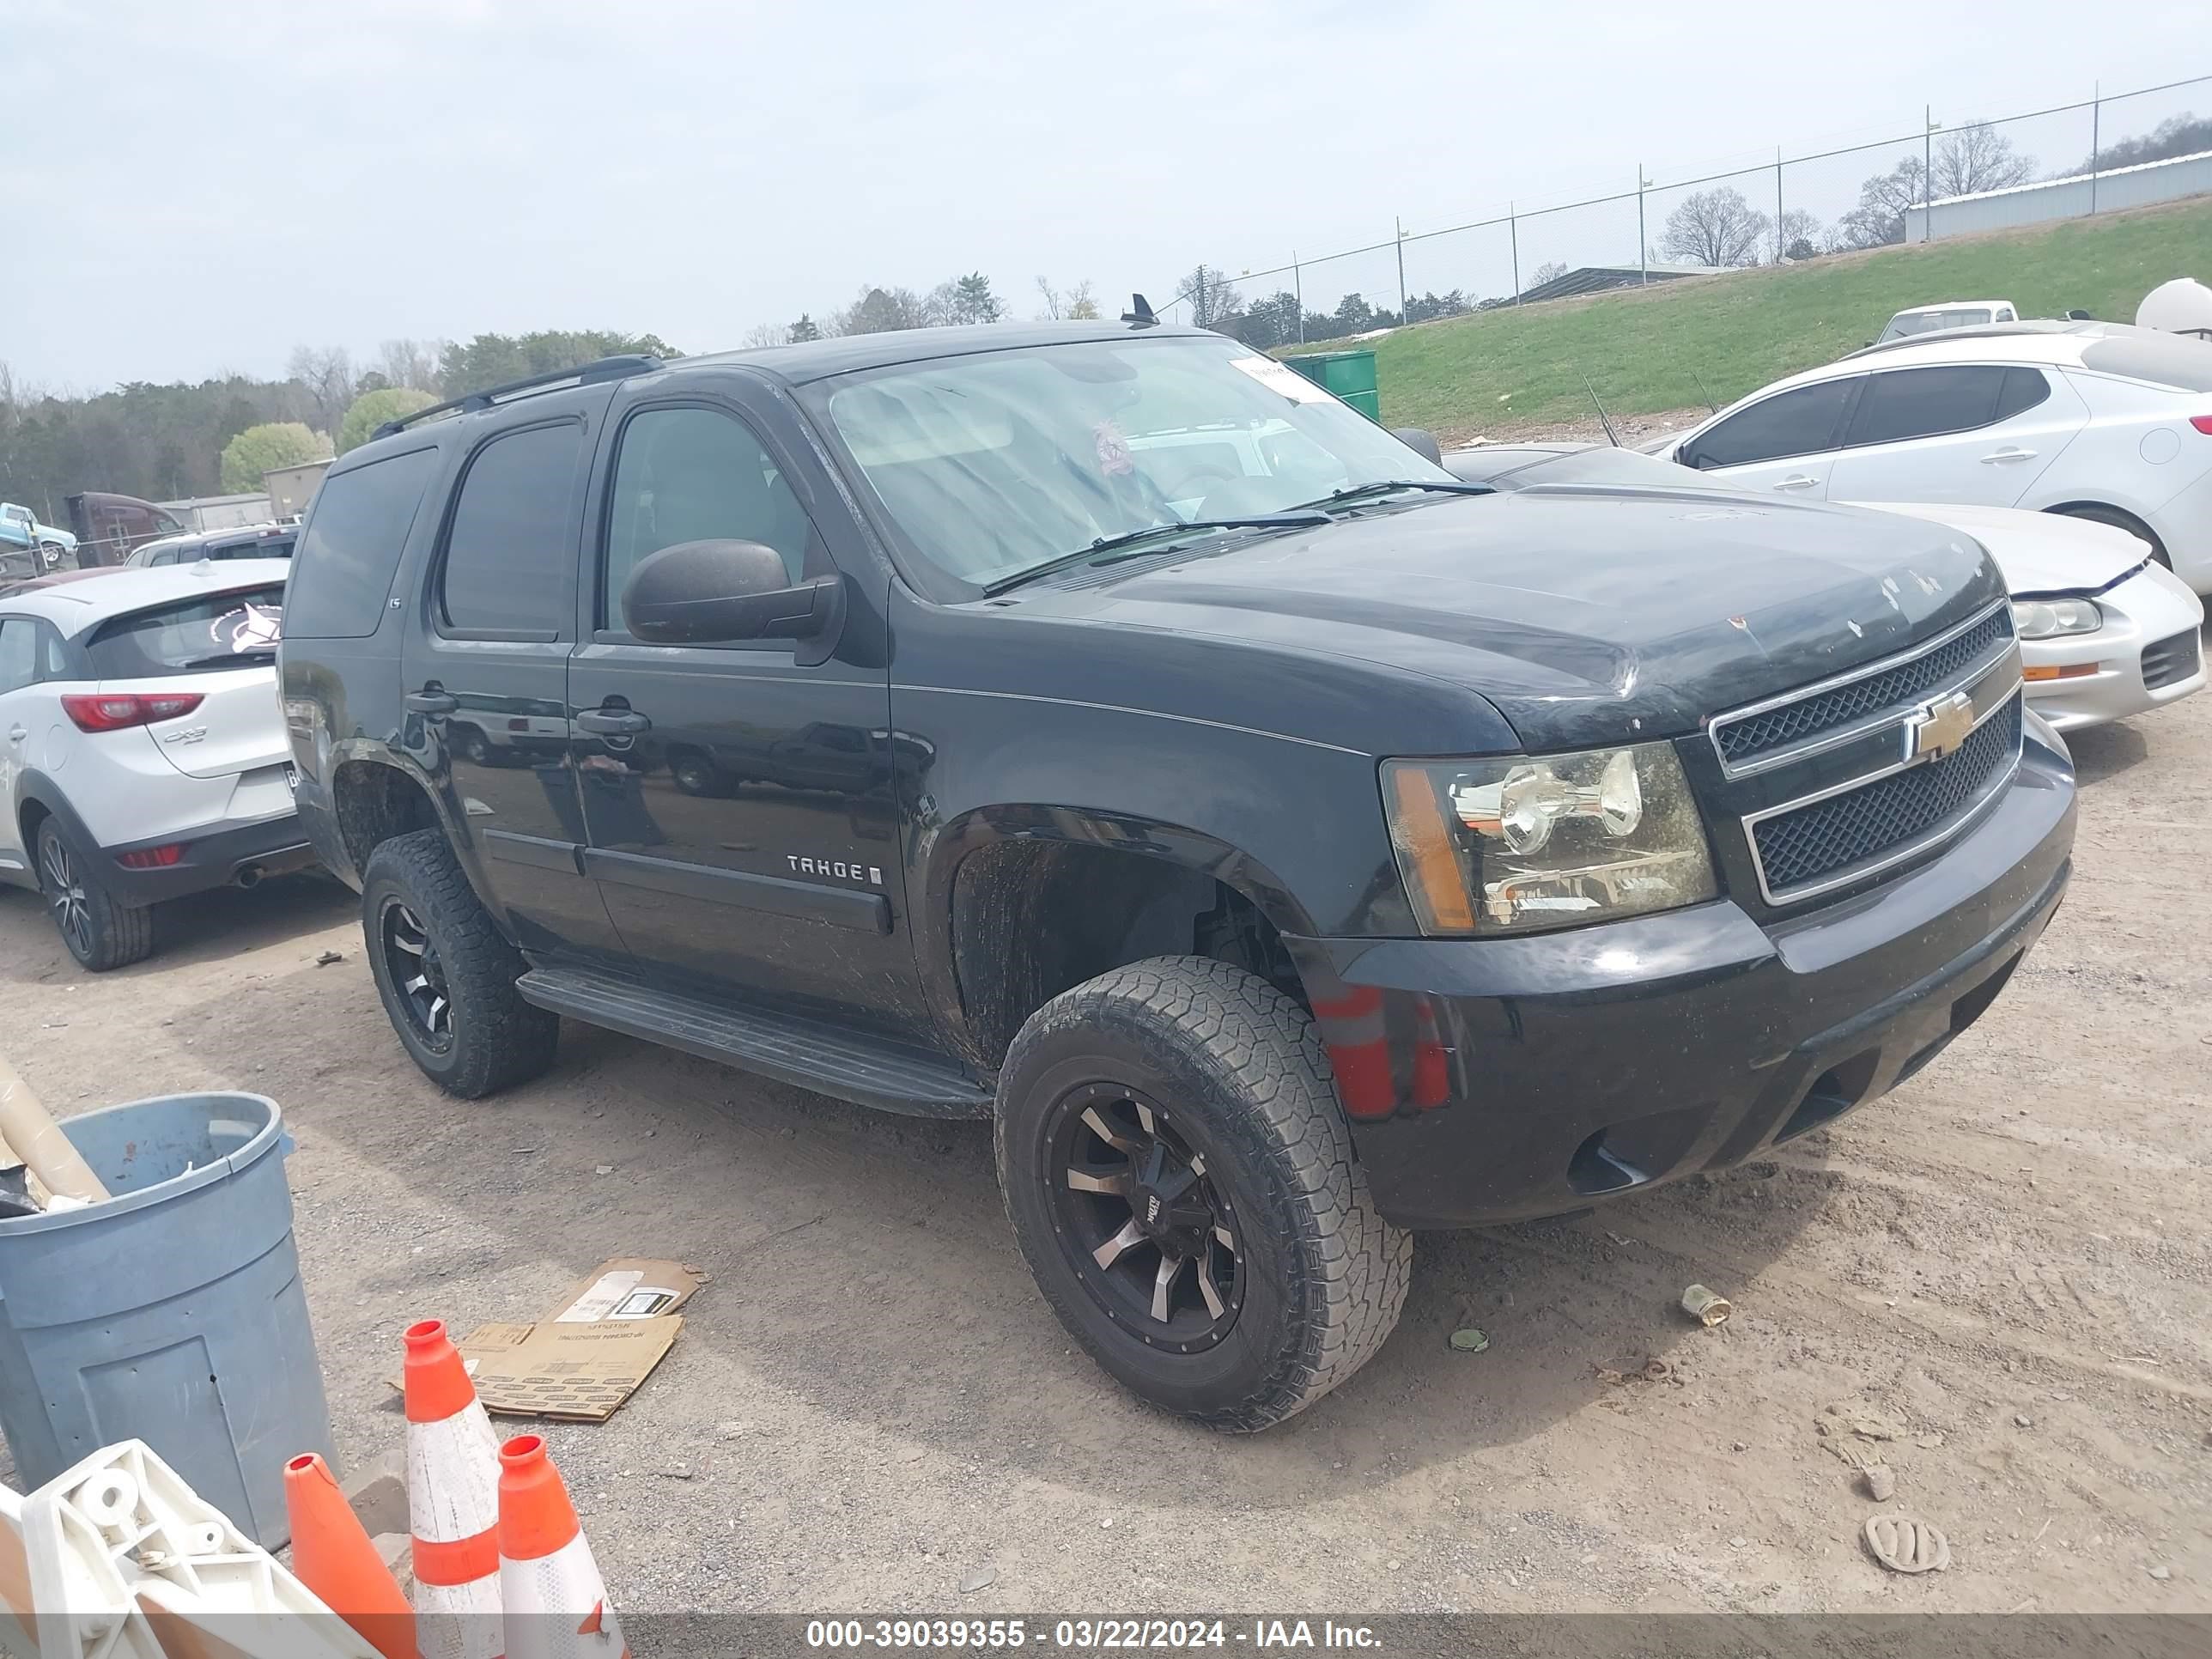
[[188, 187]]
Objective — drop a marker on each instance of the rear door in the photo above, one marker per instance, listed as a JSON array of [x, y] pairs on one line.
[[489, 646], [20, 723], [1978, 433], [1785, 443]]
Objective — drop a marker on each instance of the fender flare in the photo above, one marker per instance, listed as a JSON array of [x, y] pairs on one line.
[[944, 849], [34, 786], [322, 818]]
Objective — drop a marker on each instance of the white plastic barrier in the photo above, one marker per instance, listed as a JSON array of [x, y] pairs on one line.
[[116, 1556]]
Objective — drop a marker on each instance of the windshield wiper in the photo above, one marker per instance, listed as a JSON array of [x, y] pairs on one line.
[[1293, 519], [230, 659], [1387, 486]]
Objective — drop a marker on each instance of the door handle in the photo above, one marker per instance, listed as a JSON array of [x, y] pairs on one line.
[[613, 722], [1798, 481], [16, 734], [2000, 457], [427, 701]]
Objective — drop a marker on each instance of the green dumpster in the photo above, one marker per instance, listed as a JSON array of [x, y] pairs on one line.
[[1349, 375]]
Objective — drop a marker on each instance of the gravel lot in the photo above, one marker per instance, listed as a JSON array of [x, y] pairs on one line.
[[2008, 1263]]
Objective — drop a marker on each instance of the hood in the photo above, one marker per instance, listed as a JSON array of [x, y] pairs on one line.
[[2038, 552], [1585, 615]]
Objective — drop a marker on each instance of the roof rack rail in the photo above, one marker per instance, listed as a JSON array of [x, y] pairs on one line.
[[606, 369]]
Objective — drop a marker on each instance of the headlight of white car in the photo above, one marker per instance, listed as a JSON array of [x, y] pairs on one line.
[[1518, 844], [2052, 619]]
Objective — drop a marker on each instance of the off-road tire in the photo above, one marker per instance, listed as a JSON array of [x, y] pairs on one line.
[[112, 934], [1324, 1276], [497, 1040]]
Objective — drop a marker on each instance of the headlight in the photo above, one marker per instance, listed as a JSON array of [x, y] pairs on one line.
[[1518, 844], [2049, 619]]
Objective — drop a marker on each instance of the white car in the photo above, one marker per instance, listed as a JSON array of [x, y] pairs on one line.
[[2102, 420], [1951, 314], [142, 750], [2105, 631]]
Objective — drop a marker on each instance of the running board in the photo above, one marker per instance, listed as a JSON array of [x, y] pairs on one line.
[[807, 1053]]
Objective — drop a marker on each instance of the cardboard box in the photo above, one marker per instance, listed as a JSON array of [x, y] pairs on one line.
[[592, 1351]]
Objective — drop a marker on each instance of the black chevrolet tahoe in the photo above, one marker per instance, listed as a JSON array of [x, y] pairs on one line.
[[1098, 729]]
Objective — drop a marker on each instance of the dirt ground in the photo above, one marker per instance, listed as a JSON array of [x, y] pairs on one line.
[[2008, 1264]]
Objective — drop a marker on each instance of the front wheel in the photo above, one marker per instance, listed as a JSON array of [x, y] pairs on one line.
[[1181, 1182]]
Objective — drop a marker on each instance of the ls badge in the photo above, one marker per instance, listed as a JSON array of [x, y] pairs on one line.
[[1938, 728]]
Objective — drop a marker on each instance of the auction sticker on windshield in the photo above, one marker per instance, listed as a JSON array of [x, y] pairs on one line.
[[1277, 378]]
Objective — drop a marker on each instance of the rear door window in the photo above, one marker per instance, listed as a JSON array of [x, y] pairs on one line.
[[350, 548], [1799, 422], [1926, 403], [2024, 388], [510, 549], [19, 654], [198, 635]]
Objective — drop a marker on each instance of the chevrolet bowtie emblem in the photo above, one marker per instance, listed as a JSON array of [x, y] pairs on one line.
[[1936, 729]]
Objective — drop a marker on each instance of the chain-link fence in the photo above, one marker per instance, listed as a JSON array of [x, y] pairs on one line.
[[1750, 210]]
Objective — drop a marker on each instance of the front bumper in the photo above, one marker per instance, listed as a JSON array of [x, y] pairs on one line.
[[272, 846], [2152, 608], [1501, 1079]]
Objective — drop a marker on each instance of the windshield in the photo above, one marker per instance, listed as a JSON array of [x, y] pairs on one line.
[[998, 462]]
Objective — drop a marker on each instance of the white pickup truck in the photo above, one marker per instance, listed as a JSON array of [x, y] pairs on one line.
[[28, 548], [1951, 314]]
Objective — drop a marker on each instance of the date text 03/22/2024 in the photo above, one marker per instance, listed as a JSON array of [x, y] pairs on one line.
[[1259, 1636]]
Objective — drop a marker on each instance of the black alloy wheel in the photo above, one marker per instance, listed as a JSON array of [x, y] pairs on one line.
[[419, 976], [1144, 1228]]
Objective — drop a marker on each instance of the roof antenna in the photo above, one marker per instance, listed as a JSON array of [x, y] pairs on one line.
[[1610, 436], [1702, 392], [1139, 312]]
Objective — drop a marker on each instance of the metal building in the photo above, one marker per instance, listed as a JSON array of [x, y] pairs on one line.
[[2062, 198]]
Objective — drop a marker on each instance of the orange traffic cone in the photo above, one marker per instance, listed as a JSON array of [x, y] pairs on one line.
[[556, 1602], [331, 1556], [453, 1500]]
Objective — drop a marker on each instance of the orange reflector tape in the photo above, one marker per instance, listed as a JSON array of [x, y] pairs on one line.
[[2072, 671], [1433, 881]]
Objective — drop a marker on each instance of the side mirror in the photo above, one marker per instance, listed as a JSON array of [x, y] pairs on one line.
[[1422, 443], [713, 591]]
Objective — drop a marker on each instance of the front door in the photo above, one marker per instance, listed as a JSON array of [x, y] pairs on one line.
[[739, 797], [486, 671]]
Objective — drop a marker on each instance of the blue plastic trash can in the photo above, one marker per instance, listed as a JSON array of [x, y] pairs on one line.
[[171, 1313]]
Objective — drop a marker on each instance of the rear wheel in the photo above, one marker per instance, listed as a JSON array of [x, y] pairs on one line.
[[1181, 1180], [444, 974], [101, 931]]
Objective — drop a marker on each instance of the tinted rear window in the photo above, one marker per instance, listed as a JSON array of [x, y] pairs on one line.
[[350, 548], [222, 630], [257, 547], [2172, 360]]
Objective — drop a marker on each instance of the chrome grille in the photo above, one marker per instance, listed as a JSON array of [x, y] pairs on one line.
[[1763, 731], [1809, 844]]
